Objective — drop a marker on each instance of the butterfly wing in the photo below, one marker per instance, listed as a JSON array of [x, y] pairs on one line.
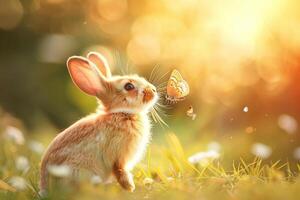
[[176, 75], [177, 87], [184, 88], [171, 89]]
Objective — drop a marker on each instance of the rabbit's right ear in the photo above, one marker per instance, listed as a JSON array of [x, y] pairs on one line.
[[100, 61], [86, 75]]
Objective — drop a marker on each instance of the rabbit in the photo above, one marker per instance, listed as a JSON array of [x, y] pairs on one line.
[[111, 141]]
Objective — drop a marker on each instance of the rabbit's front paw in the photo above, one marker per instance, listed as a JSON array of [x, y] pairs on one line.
[[129, 186], [126, 181]]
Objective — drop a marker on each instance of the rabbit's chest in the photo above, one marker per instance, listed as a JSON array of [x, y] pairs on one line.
[[127, 141]]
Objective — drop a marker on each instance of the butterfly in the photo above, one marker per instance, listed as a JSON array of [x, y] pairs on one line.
[[177, 88], [190, 113]]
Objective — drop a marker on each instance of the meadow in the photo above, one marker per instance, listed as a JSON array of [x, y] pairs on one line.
[[166, 172]]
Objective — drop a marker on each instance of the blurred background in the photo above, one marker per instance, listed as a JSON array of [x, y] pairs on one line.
[[240, 58]]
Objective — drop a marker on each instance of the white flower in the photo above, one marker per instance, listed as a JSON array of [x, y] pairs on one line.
[[148, 181], [297, 153], [203, 157], [18, 182], [96, 180], [36, 147], [288, 123], [59, 170], [246, 109], [14, 134], [170, 179], [214, 146], [261, 150], [22, 163]]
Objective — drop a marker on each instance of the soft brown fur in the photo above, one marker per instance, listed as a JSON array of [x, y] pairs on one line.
[[110, 142]]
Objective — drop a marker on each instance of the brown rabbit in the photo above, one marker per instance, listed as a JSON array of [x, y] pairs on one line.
[[110, 142]]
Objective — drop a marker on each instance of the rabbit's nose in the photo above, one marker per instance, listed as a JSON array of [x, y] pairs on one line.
[[148, 95]]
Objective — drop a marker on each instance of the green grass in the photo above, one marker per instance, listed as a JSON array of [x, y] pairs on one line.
[[173, 178]]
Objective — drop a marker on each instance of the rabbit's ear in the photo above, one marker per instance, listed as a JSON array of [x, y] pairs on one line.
[[86, 75], [100, 61]]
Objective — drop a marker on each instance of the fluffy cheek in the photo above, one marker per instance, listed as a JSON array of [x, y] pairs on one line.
[[132, 96], [133, 93]]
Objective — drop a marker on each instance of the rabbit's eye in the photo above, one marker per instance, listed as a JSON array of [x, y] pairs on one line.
[[129, 86]]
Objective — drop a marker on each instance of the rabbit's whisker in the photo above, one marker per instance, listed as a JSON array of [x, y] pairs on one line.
[[157, 78], [159, 105], [161, 85], [120, 63], [127, 67], [153, 116], [161, 112], [155, 75], [159, 119], [161, 89], [151, 78], [163, 76]]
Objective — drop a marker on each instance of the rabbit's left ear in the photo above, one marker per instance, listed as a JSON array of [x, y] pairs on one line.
[[100, 61], [86, 76]]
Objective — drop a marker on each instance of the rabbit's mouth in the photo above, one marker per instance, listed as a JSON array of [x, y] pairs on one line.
[[149, 95]]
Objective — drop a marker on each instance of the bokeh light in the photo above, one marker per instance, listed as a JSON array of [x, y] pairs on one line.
[[240, 57]]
